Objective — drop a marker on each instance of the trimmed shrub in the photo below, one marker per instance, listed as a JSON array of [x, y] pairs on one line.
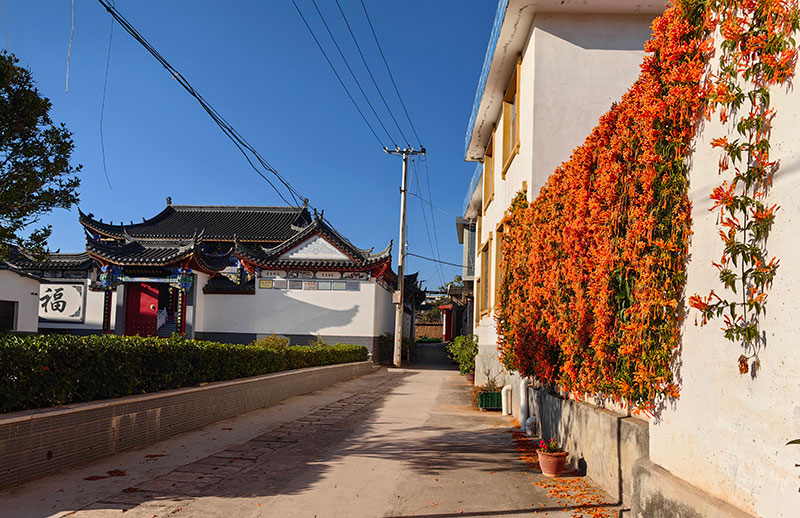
[[45, 370], [463, 350], [272, 341]]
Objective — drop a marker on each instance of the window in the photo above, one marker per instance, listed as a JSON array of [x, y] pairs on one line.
[[488, 174], [477, 300], [511, 119], [486, 276], [498, 256]]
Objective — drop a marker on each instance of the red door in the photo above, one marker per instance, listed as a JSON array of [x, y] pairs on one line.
[[141, 309]]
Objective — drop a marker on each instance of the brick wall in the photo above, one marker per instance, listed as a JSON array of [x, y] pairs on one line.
[[429, 331], [38, 442]]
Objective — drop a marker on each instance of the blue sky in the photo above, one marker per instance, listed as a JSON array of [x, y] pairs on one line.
[[256, 63]]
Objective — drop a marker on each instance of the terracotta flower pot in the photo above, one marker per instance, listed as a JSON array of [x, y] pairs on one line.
[[470, 376], [552, 464]]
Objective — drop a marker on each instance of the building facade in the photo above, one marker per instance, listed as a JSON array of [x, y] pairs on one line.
[[551, 70], [225, 273]]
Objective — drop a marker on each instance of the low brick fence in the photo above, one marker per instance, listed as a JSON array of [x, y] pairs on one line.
[[35, 443], [428, 330]]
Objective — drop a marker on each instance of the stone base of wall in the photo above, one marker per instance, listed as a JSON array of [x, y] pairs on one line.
[[602, 445], [69, 331], [35, 443], [657, 493]]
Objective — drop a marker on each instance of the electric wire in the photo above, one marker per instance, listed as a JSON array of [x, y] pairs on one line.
[[5, 27], [415, 173], [336, 73], [69, 49], [248, 151], [430, 200], [385, 62], [369, 71], [435, 260], [103, 105], [425, 201], [350, 69]]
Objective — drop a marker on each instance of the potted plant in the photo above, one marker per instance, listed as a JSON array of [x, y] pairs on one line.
[[463, 350], [487, 397], [552, 458]]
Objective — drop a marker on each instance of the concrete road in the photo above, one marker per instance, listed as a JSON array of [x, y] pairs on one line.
[[395, 443]]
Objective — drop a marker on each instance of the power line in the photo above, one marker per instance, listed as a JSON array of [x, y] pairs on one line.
[[415, 171], [435, 260], [369, 71], [341, 82], [103, 105], [430, 200], [5, 28], [248, 151], [426, 202], [347, 64], [385, 62], [69, 49]]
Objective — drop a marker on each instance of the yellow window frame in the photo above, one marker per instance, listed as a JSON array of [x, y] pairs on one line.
[[511, 113], [488, 174]]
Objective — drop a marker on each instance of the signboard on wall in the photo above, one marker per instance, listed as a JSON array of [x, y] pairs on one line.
[[62, 302], [355, 276], [301, 274], [329, 275]]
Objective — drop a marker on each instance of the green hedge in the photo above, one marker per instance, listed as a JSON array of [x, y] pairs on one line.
[[45, 370]]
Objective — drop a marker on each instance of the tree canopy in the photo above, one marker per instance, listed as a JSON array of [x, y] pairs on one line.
[[35, 171]]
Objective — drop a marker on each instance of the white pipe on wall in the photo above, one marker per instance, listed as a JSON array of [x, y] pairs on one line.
[[505, 395], [523, 402]]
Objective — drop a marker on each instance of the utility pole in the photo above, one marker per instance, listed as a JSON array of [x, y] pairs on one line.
[[398, 321]]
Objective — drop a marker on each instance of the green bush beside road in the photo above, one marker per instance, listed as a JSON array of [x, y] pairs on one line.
[[44, 370]]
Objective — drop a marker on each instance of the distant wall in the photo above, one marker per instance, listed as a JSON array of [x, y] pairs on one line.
[[429, 330]]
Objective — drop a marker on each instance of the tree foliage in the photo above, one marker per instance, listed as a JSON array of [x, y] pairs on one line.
[[35, 172]]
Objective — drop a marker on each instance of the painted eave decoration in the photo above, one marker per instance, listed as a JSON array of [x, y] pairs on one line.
[[318, 246]]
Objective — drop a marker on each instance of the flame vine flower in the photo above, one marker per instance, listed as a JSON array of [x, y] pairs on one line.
[[594, 267], [758, 51]]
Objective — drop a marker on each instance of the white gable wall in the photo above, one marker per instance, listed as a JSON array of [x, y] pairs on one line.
[[316, 247]]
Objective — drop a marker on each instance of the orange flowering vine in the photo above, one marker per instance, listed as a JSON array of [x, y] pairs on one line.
[[594, 267], [758, 51]]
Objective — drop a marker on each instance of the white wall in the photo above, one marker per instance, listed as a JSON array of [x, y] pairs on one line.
[[573, 68], [727, 432], [337, 313], [24, 291], [93, 319], [384, 312]]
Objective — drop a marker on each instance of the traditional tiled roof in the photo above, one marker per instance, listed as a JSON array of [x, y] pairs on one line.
[[140, 252], [356, 258], [18, 259], [215, 222]]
